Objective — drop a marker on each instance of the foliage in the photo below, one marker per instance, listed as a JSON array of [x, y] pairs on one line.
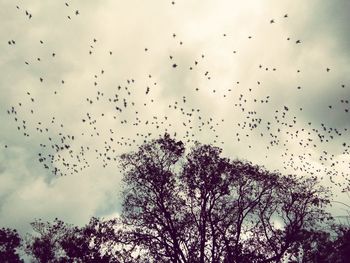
[[60, 242], [321, 246], [201, 207], [9, 243], [197, 206]]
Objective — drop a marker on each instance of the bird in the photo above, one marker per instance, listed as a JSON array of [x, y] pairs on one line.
[[120, 104]]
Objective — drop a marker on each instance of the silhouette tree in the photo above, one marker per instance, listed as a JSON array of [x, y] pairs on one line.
[[325, 246], [60, 242], [10, 241], [201, 207], [195, 206]]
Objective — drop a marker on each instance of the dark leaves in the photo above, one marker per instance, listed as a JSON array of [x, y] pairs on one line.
[[10, 241]]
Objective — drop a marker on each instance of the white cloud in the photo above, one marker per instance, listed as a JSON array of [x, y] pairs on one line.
[[126, 28]]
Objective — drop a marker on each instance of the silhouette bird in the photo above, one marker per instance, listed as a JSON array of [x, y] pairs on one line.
[[236, 111]]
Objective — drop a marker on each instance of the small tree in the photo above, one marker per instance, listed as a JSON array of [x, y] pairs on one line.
[[201, 207]]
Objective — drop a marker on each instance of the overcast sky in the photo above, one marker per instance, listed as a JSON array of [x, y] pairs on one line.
[[268, 81]]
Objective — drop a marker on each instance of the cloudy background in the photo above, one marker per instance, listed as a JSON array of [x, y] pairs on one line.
[[239, 83]]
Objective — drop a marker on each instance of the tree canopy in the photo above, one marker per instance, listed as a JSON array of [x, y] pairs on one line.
[[9, 242], [201, 207], [194, 205]]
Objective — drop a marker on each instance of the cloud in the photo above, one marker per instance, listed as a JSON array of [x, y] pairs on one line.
[[26, 194], [222, 109]]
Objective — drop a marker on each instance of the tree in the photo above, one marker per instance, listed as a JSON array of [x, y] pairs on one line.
[[201, 207], [61, 242], [325, 246], [195, 206], [10, 241]]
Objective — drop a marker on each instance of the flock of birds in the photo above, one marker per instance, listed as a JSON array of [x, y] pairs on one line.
[[119, 118]]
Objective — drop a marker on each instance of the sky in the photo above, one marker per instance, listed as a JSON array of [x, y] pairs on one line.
[[85, 81]]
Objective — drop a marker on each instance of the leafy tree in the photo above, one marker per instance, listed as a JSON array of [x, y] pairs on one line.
[[325, 246], [342, 244], [201, 207], [10, 241], [60, 242], [196, 207], [44, 245]]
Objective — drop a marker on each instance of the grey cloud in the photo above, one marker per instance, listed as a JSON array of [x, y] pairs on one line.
[[128, 27]]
